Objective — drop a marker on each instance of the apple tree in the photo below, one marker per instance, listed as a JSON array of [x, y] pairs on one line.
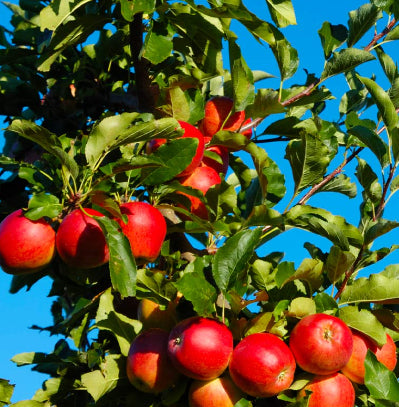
[[139, 136]]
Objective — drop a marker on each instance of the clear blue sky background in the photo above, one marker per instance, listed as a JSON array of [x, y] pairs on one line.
[[25, 309]]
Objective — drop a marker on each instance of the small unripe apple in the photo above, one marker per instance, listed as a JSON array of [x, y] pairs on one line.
[[322, 344], [151, 315], [217, 109], [145, 230], [262, 365], [26, 246], [219, 167], [148, 367], [80, 240], [202, 178], [329, 390], [189, 131], [385, 354], [200, 347], [219, 392]]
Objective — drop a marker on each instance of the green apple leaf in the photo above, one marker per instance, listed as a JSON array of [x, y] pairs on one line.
[[231, 259], [131, 7], [43, 204], [282, 12], [6, 391], [332, 37], [338, 262]]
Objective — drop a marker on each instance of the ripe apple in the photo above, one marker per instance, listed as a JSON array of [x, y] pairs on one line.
[[385, 354], [200, 347], [26, 246], [151, 315], [145, 229], [322, 344], [217, 110], [202, 178], [219, 392], [148, 367], [189, 131], [262, 365], [80, 240], [329, 390], [219, 167]]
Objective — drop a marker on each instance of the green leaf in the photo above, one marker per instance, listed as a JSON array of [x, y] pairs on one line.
[[380, 381], [338, 262], [363, 321], [158, 44], [341, 184], [388, 65], [47, 140], [196, 289], [360, 21], [344, 61], [375, 288], [282, 12], [261, 215], [100, 382], [266, 102], [122, 265], [332, 37], [232, 258], [6, 391], [309, 160], [324, 223], [242, 78], [131, 7], [123, 328], [43, 204], [378, 228]]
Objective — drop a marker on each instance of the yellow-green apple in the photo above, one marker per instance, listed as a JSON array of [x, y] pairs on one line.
[[200, 347], [26, 246], [145, 230], [322, 344], [262, 365], [148, 367], [80, 240], [217, 110], [151, 315], [219, 392], [386, 354], [333, 390], [202, 178], [189, 131], [221, 163]]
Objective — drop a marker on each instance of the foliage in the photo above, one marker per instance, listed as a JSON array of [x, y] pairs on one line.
[[86, 84]]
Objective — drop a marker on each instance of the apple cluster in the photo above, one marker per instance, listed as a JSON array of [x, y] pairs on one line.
[[260, 365]]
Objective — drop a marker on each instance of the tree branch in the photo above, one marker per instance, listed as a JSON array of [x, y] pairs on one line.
[[376, 37]]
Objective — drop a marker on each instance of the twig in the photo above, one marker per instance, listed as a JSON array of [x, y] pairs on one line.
[[376, 37]]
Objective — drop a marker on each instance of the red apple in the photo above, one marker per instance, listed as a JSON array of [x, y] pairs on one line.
[[262, 365], [80, 240], [385, 354], [200, 347], [219, 392], [217, 110], [26, 246], [148, 367], [202, 178], [145, 229], [151, 315], [322, 344], [329, 390], [189, 131], [219, 167]]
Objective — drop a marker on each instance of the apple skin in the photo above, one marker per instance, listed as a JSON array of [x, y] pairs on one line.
[[262, 365], [333, 390], [217, 110], [148, 367], [145, 229], [328, 345], [219, 167], [152, 316], [26, 246], [219, 392], [80, 240], [189, 131], [385, 354], [200, 348], [202, 178]]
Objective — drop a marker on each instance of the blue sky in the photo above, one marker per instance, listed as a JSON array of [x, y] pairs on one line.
[[28, 308]]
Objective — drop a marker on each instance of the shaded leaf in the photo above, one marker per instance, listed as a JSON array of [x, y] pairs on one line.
[[338, 262], [332, 37]]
